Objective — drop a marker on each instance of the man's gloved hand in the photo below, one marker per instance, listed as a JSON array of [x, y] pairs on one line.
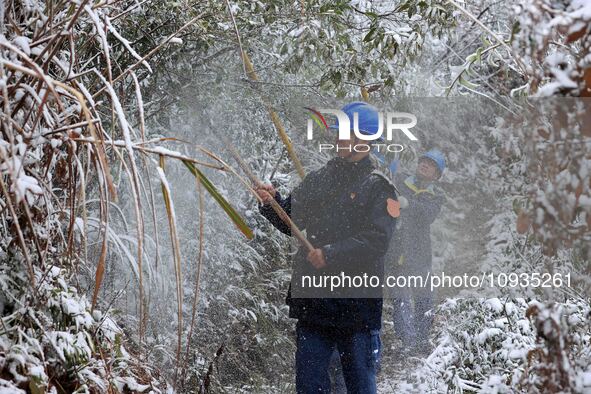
[[266, 192], [316, 258]]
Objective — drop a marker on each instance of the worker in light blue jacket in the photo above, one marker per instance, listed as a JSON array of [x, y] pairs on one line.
[[410, 253]]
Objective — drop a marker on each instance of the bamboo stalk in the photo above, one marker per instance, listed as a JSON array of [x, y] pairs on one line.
[[172, 154], [251, 74], [275, 119], [274, 204], [364, 94], [177, 260]]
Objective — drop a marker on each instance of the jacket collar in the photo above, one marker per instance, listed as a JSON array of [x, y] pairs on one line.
[[352, 167], [411, 183]]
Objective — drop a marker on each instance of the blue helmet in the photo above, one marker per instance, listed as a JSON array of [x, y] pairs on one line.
[[437, 157], [368, 118]]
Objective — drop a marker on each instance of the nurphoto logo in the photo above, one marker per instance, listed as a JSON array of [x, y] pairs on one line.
[[395, 122]]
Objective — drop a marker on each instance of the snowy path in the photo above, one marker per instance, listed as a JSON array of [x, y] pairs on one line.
[[397, 370]]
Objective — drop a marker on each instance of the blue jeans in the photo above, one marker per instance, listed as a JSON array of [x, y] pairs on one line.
[[359, 353]]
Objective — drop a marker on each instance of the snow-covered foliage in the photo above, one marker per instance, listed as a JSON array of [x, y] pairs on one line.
[[52, 342], [554, 68], [58, 188], [534, 47], [545, 154], [91, 90], [503, 340], [507, 346]]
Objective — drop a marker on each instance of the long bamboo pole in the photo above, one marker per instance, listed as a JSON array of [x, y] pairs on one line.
[[251, 74], [274, 118], [274, 204]]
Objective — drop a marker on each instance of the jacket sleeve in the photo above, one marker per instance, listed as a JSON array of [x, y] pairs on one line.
[[373, 239], [304, 194], [268, 212]]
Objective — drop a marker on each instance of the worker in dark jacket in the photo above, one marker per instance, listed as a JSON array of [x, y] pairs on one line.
[[411, 248], [348, 210]]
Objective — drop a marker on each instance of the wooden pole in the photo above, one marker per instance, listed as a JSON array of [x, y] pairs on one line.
[[274, 204], [252, 75], [275, 118]]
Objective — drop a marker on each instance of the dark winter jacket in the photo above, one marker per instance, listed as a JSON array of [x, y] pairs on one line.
[[343, 208], [410, 251]]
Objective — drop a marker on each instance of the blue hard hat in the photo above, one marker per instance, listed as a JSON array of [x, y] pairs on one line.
[[368, 118], [437, 157]]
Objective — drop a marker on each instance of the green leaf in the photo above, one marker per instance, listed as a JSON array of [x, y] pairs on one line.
[[402, 7], [468, 84], [517, 206], [379, 39], [230, 211], [336, 78], [368, 37], [479, 54], [471, 58], [371, 15]]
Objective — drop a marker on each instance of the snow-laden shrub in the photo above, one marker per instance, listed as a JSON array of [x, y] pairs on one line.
[[561, 360], [52, 342], [555, 70], [67, 125], [481, 338], [508, 346]]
